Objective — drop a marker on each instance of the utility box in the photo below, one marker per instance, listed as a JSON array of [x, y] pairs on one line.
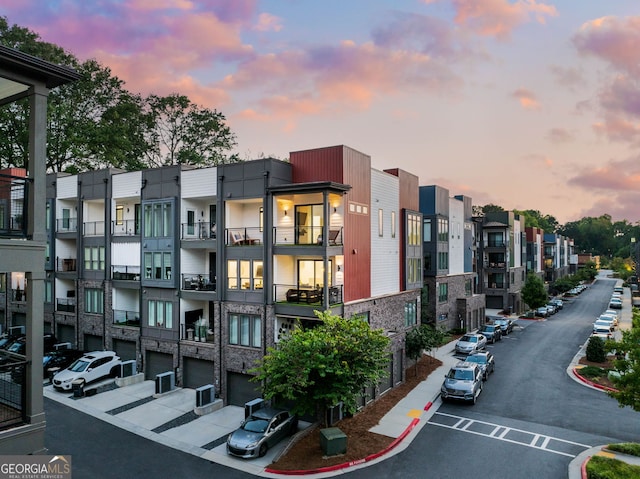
[[252, 406], [128, 368], [205, 395], [333, 441]]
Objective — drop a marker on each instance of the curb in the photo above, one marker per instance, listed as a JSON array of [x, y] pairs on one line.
[[356, 462], [583, 467], [592, 384]]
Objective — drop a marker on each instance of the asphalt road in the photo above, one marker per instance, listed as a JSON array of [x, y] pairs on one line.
[[529, 422]]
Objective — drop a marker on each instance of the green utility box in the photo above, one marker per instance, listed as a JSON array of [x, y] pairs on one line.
[[333, 441]]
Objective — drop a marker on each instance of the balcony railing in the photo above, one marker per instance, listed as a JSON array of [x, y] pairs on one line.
[[66, 305], [14, 194], [125, 273], [495, 285], [12, 394], [67, 225], [125, 228], [495, 244], [93, 228], [198, 331], [19, 295], [123, 317], [198, 231], [198, 282], [243, 236], [297, 294], [306, 235], [65, 264]]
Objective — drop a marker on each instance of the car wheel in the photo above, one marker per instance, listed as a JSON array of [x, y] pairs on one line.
[[115, 372], [263, 449]]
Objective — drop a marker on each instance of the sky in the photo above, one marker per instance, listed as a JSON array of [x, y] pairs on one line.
[[528, 104]]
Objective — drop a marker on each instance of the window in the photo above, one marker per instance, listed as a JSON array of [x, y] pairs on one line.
[[467, 287], [48, 291], [66, 214], [495, 239], [443, 260], [443, 229], [160, 314], [413, 228], [94, 258], [410, 313], [245, 330], [157, 265], [362, 316], [94, 301], [244, 274], [311, 273], [414, 270], [157, 219], [119, 214], [393, 224], [380, 222], [426, 230], [309, 222], [443, 292], [191, 222]]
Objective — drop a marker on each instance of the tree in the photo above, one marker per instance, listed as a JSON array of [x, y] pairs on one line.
[[627, 365], [536, 219], [595, 350], [320, 367], [184, 133], [533, 292]]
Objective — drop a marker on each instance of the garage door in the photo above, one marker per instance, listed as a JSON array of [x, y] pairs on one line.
[[125, 349], [93, 342], [494, 302], [197, 372], [157, 363], [66, 334], [240, 390]]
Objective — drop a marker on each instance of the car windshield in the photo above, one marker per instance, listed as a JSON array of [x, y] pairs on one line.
[[477, 359], [469, 339], [463, 374], [255, 425], [79, 365]]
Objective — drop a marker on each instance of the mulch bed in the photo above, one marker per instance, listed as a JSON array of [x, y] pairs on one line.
[[602, 380], [307, 454]]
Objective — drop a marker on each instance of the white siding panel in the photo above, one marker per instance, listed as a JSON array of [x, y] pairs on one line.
[[200, 182], [456, 236], [67, 187], [385, 250], [126, 185], [125, 254]]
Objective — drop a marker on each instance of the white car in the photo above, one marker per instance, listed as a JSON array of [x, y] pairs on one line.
[[89, 368], [602, 332], [470, 343], [600, 323], [612, 318], [612, 312]]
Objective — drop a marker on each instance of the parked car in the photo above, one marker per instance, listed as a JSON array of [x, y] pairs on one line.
[[599, 323], [19, 346], [462, 382], [470, 342], [492, 332], [615, 303], [506, 325], [485, 360], [613, 319], [552, 309], [613, 312], [542, 312], [618, 289], [559, 304], [55, 359], [90, 367], [602, 332], [260, 431]]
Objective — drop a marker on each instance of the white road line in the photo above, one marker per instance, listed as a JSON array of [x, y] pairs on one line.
[[501, 437]]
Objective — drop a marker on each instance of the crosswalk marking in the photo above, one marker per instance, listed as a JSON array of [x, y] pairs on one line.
[[508, 434]]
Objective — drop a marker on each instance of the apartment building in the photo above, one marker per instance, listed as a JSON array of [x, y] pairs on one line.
[[199, 271], [22, 251], [535, 251], [450, 278], [558, 254], [502, 259]]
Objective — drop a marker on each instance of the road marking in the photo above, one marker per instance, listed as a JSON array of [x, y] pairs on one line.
[[542, 442]]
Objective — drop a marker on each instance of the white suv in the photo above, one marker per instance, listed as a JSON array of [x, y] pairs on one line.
[[90, 367]]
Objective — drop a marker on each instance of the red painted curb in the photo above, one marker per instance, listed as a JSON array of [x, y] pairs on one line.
[[595, 385], [583, 468], [345, 465], [428, 406]]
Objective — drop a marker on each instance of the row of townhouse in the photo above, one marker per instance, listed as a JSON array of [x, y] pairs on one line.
[[199, 271]]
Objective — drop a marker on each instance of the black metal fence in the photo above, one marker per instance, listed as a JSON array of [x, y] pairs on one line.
[[12, 394]]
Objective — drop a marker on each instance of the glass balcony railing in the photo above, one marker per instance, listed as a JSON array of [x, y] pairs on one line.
[[198, 282], [303, 295], [125, 273], [243, 236], [66, 305], [123, 317], [125, 228], [67, 225], [306, 235], [93, 228], [198, 231], [66, 264]]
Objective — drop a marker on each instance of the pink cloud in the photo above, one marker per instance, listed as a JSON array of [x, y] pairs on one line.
[[526, 98], [615, 176], [614, 40], [539, 160], [568, 77], [622, 206], [559, 135], [268, 23], [498, 18]]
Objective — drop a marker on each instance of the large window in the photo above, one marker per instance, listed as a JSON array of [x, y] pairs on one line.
[[119, 214], [443, 260], [426, 229], [157, 265], [94, 258], [413, 225], [244, 274], [414, 270], [410, 313], [245, 330], [443, 292], [157, 219], [311, 273], [160, 314], [309, 223], [94, 301], [443, 229]]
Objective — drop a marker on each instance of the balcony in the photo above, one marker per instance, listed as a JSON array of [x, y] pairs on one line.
[[306, 235], [294, 294], [125, 228], [197, 282], [65, 265], [202, 230], [495, 285], [14, 194], [13, 394], [67, 225], [66, 305], [18, 295], [243, 236], [123, 317], [93, 228], [198, 331], [498, 243], [125, 273]]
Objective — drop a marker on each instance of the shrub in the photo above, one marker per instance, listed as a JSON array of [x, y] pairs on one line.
[[631, 448], [595, 350], [592, 372], [600, 467]]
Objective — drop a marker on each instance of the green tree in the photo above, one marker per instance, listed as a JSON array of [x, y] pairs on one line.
[[595, 350], [533, 292], [320, 367], [536, 219], [627, 365], [423, 337]]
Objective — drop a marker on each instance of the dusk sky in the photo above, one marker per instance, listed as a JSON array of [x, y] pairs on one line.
[[526, 104]]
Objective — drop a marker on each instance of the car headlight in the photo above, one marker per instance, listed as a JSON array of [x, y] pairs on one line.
[[251, 445]]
